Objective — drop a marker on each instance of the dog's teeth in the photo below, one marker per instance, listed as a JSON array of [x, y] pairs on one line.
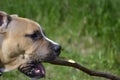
[[29, 73], [37, 71], [32, 70]]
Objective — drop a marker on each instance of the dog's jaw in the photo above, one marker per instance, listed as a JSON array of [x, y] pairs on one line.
[[33, 70]]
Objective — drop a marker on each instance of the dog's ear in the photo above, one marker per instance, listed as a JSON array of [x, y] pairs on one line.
[[4, 19]]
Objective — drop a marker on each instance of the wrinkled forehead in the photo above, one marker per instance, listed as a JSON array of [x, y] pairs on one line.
[[23, 25], [33, 26]]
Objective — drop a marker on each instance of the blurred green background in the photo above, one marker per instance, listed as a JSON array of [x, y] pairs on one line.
[[88, 30]]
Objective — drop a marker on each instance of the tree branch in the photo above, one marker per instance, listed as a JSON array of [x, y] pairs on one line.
[[71, 63]]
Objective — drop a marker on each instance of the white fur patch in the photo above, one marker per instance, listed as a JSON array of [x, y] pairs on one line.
[[14, 15], [4, 70]]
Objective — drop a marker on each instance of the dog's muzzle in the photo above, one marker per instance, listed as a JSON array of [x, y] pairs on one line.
[[36, 69]]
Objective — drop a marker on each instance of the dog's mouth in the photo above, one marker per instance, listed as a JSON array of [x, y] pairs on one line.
[[32, 70], [35, 69]]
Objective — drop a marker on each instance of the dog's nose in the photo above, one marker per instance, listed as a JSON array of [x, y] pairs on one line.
[[57, 49]]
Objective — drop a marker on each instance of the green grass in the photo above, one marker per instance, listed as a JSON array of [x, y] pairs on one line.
[[88, 30]]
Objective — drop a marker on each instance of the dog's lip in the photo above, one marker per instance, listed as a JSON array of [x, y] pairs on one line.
[[33, 70], [39, 70]]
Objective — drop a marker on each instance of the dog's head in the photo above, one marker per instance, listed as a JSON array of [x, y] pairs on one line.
[[23, 41]]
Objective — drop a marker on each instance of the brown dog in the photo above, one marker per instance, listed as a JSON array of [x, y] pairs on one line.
[[24, 45]]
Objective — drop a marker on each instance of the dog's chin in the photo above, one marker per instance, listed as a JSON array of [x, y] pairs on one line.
[[33, 70]]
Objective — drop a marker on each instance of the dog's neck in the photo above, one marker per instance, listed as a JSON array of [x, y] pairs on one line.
[[1, 68]]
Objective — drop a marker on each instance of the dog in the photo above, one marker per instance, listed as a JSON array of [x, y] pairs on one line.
[[24, 45]]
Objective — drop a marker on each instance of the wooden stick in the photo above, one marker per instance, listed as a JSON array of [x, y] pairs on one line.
[[71, 63]]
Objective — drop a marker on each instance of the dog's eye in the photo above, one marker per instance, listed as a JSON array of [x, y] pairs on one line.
[[35, 36]]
